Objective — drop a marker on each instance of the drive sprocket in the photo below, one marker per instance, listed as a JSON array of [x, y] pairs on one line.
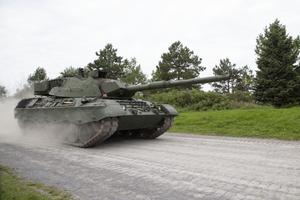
[[156, 132]]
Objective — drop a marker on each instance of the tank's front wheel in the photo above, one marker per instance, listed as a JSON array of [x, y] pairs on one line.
[[93, 133], [156, 132]]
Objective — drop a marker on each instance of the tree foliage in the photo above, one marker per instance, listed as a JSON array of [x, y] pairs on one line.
[[27, 89], [109, 61], [132, 72], [241, 78], [245, 80], [116, 67], [3, 91], [225, 68], [277, 80], [38, 75], [198, 100], [178, 63], [69, 72]]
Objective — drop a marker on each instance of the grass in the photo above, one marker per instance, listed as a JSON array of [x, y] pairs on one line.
[[13, 187], [265, 122]]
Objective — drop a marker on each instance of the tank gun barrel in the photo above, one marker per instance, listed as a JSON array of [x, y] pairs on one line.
[[174, 83]]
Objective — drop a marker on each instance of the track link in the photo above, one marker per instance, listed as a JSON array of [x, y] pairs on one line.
[[156, 132], [98, 132]]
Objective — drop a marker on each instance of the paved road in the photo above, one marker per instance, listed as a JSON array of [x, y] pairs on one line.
[[170, 167]]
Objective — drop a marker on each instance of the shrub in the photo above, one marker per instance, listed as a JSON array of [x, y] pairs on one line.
[[201, 101]]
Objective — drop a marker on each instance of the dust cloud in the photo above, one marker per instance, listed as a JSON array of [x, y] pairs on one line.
[[10, 132], [8, 124]]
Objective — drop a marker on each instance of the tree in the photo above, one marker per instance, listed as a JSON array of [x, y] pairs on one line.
[[245, 80], [226, 68], [38, 75], [69, 72], [241, 78], [132, 72], [116, 67], [109, 61], [179, 63], [277, 80], [3, 91]]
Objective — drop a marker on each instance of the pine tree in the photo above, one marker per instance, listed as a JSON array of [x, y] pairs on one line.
[[277, 80], [116, 67], [38, 75], [225, 68], [244, 80], [132, 72], [179, 63], [69, 72], [109, 61]]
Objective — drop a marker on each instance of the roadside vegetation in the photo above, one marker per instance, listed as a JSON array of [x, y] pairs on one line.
[[260, 122], [13, 187], [197, 100]]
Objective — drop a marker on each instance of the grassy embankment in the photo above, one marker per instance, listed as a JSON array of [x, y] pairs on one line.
[[14, 188], [265, 122]]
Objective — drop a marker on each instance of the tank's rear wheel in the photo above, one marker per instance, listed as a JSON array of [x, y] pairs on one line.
[[93, 133], [156, 132]]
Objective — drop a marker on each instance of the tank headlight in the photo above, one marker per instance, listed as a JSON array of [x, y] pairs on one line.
[[124, 107]]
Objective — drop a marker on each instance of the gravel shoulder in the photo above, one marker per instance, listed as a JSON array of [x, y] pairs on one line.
[[173, 166]]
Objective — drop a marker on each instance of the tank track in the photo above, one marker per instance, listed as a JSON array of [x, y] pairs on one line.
[[97, 132], [156, 132], [94, 133]]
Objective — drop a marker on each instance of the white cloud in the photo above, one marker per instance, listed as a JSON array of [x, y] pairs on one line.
[[57, 34]]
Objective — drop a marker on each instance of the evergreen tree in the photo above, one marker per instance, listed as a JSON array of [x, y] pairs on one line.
[[38, 75], [179, 63], [116, 67], [277, 80], [241, 78], [3, 91], [69, 72], [226, 68], [109, 61], [132, 72], [245, 80]]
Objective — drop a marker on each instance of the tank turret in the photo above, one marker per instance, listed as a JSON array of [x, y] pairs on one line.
[[97, 85]]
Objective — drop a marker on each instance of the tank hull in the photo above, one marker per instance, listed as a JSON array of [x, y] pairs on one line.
[[130, 117], [88, 116]]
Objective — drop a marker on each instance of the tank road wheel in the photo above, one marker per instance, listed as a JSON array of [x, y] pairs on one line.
[[156, 132], [93, 133]]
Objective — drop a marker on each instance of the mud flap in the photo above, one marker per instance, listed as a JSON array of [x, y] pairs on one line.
[[170, 110]]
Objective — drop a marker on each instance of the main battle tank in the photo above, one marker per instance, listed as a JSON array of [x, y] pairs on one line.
[[96, 107]]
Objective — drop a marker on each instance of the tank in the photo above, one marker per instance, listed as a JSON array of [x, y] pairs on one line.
[[93, 108]]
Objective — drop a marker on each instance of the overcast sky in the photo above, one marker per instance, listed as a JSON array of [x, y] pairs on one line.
[[56, 34]]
